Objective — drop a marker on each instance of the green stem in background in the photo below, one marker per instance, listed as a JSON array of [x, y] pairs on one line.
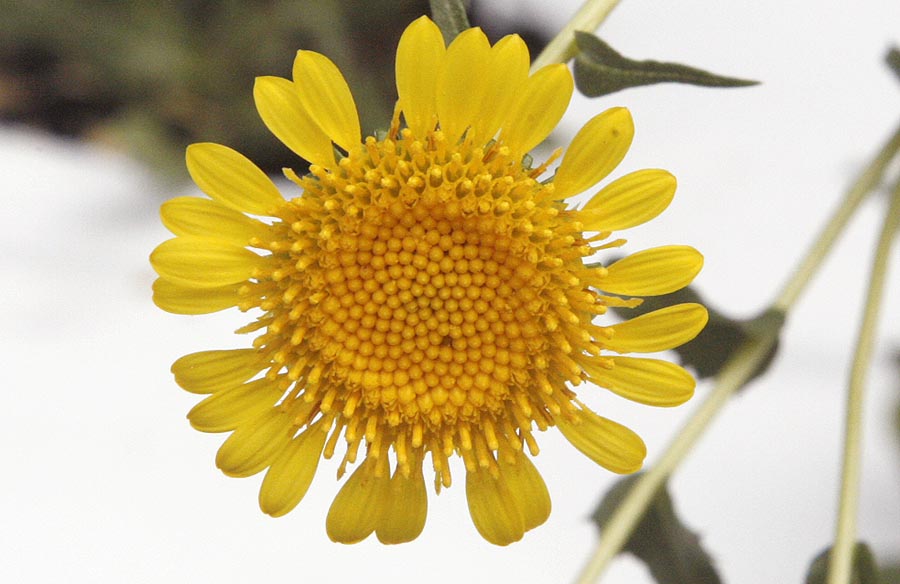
[[807, 268], [736, 372], [632, 508], [562, 48], [840, 563], [450, 16]]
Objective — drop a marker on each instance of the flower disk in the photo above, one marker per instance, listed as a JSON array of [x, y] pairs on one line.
[[426, 295]]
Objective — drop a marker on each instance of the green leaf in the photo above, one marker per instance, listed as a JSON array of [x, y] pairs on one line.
[[893, 60], [865, 571], [671, 551], [600, 70], [450, 16], [723, 335]]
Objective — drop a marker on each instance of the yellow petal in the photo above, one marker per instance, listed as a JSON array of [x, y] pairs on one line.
[[256, 443], [420, 58], [508, 72], [326, 97], [595, 151], [493, 508], [203, 263], [648, 381], [356, 509], [232, 179], [281, 110], [609, 444], [191, 300], [205, 218], [651, 272], [463, 82], [527, 487], [540, 105], [289, 477], [631, 200], [225, 410], [403, 518], [210, 371], [659, 330]]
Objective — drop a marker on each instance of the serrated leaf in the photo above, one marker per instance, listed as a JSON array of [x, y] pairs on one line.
[[893, 60], [671, 551], [450, 16], [601, 70], [715, 344], [865, 571]]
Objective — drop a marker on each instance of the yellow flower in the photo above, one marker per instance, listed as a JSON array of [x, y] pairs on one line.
[[426, 294]]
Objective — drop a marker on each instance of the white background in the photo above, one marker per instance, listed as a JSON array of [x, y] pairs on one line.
[[105, 481]]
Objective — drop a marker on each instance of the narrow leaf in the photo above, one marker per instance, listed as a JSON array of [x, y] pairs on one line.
[[450, 16], [600, 70], [865, 571], [671, 551], [708, 352]]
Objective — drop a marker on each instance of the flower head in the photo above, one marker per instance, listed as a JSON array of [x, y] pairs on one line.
[[425, 295]]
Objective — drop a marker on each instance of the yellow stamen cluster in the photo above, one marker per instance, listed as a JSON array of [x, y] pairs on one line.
[[427, 295]]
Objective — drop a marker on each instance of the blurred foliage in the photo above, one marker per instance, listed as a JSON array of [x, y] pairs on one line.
[[601, 70], [152, 77], [671, 551], [716, 343], [865, 571]]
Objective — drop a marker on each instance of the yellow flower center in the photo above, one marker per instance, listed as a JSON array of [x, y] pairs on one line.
[[428, 295]]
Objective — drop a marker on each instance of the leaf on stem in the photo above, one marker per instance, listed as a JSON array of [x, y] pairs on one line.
[[600, 70], [450, 16], [714, 346], [671, 551], [865, 571]]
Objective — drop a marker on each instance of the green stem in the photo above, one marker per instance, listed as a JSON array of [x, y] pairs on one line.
[[627, 515], [840, 563], [562, 48], [737, 371], [866, 182]]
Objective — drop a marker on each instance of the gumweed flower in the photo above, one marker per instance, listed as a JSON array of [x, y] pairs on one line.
[[428, 294]]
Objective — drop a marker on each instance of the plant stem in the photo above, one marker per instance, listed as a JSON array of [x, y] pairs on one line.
[[736, 372], [633, 507], [840, 563], [866, 182], [562, 48]]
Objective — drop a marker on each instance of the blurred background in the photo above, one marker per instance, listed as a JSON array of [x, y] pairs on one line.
[[107, 482]]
